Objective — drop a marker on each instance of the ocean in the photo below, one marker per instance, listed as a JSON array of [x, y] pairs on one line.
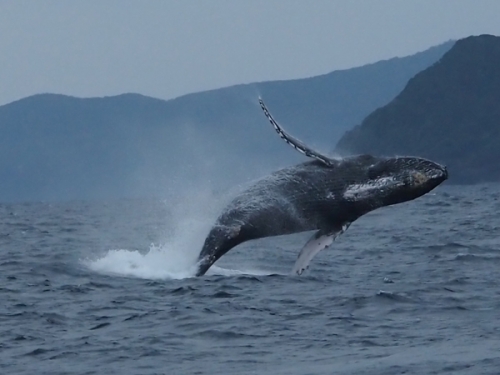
[[107, 288]]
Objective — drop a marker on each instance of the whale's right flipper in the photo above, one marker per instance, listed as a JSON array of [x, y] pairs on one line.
[[319, 241], [294, 142]]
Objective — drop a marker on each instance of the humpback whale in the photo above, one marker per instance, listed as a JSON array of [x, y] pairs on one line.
[[324, 194]]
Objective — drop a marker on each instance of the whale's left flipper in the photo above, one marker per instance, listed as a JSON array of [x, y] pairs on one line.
[[319, 241], [294, 142]]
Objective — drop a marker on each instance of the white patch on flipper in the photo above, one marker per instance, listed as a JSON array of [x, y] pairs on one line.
[[294, 142], [309, 251], [362, 191], [315, 244]]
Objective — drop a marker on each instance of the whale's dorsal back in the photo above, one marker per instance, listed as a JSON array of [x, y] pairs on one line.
[[294, 142]]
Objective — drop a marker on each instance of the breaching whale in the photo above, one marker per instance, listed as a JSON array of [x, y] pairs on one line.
[[324, 194]]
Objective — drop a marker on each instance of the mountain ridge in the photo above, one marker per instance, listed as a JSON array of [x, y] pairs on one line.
[[448, 112], [59, 147]]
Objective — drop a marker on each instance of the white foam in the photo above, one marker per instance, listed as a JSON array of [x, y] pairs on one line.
[[214, 270], [174, 259], [159, 262], [194, 210]]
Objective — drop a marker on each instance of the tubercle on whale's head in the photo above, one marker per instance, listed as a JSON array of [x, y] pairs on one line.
[[406, 178], [219, 241]]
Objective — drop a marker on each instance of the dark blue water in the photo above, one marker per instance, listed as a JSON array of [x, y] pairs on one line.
[[104, 288]]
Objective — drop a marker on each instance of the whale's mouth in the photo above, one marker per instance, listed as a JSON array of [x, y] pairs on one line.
[[441, 174], [430, 178]]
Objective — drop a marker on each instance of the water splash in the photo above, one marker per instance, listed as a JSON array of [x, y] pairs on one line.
[[193, 212], [174, 259], [160, 262]]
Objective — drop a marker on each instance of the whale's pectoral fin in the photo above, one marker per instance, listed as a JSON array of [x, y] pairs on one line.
[[294, 142], [319, 241]]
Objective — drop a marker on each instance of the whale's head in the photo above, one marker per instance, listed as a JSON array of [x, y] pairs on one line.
[[219, 241], [395, 180]]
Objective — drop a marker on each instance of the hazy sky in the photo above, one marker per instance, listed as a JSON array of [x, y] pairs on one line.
[[169, 48]]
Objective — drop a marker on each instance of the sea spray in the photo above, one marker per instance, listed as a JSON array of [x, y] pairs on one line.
[[193, 211]]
